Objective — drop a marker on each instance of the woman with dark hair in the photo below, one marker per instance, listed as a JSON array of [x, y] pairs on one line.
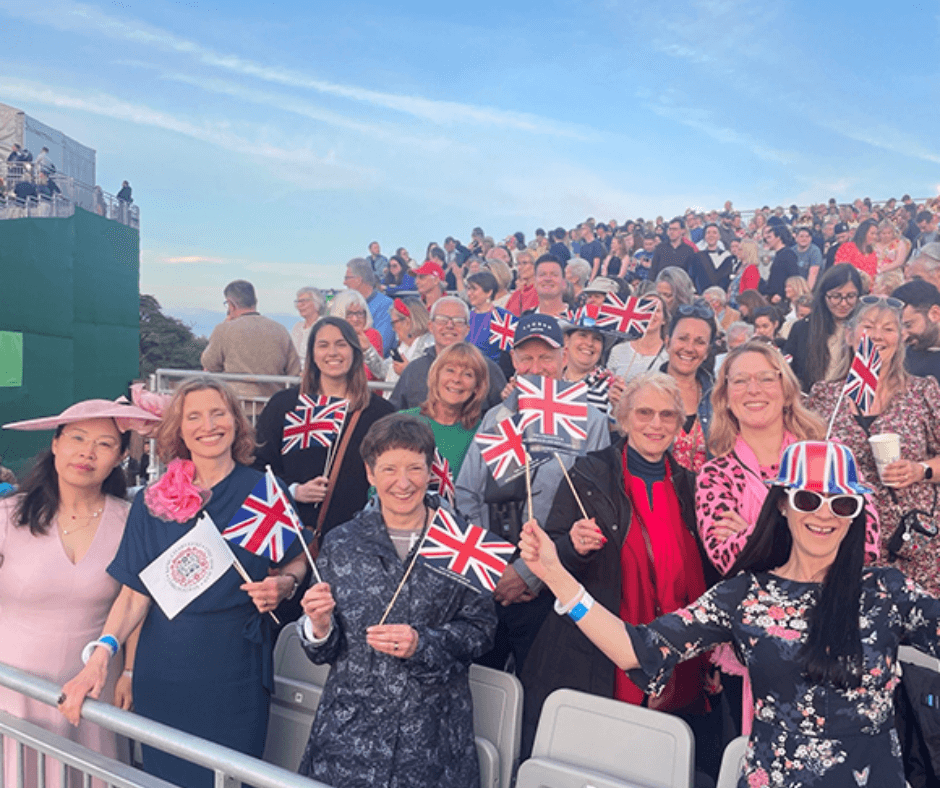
[[818, 632], [325, 496], [397, 277], [691, 334], [57, 536], [749, 302], [457, 385], [396, 709], [207, 670], [860, 251], [631, 359], [815, 342], [481, 290]]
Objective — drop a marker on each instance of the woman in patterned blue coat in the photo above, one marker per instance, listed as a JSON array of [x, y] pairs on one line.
[[823, 680], [396, 709]]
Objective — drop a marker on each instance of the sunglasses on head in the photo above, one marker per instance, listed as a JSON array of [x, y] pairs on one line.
[[892, 303], [698, 309], [807, 501]]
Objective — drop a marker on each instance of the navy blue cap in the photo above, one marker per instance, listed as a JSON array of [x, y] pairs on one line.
[[536, 326]]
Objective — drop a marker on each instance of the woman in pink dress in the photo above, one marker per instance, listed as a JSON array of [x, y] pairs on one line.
[[57, 537]]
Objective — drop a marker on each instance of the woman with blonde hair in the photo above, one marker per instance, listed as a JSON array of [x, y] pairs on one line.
[[891, 248], [352, 307], [503, 275], [207, 670], [905, 490], [747, 275], [411, 323]]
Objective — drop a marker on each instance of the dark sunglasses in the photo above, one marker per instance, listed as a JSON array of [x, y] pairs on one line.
[[807, 501], [892, 303]]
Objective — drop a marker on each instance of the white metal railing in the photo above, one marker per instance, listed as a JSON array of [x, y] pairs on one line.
[[230, 767], [62, 200]]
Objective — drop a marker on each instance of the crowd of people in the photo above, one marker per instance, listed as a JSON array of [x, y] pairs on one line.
[[722, 501]]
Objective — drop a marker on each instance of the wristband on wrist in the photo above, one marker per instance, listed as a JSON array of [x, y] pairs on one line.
[[105, 641], [129, 673], [296, 585], [562, 609], [580, 610]]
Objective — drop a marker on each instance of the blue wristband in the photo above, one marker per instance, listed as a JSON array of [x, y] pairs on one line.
[[111, 642], [580, 610]]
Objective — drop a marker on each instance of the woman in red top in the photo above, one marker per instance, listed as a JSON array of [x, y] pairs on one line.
[[637, 564], [860, 251]]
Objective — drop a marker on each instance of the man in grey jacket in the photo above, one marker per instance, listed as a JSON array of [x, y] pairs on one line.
[[523, 602]]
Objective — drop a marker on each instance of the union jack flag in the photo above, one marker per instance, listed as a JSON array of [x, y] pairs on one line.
[[557, 407], [442, 481], [468, 553], [502, 450], [862, 381], [266, 523], [314, 420], [630, 317], [502, 329], [587, 315]]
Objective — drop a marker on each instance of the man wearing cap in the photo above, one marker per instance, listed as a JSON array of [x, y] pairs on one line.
[[920, 326], [360, 277], [430, 282], [523, 604], [673, 251], [248, 343], [450, 324], [926, 265]]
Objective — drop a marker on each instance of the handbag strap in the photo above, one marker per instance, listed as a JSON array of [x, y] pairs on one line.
[[334, 472]]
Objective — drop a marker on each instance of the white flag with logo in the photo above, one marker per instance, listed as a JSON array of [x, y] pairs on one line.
[[188, 567]]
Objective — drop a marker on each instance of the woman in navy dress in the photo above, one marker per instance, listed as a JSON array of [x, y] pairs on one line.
[[209, 670], [823, 680]]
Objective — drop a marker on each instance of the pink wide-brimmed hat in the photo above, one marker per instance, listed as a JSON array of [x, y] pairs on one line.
[[126, 416]]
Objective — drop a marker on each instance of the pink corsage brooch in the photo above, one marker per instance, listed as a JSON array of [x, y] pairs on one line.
[[174, 496]]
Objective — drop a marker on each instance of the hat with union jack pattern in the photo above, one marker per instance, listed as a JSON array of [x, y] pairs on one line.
[[824, 467]]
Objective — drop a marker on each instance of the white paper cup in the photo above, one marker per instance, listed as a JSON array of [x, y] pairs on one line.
[[886, 448]]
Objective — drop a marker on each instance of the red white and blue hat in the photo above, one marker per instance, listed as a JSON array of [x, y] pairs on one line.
[[821, 466]]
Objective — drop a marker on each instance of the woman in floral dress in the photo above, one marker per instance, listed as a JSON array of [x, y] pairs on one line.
[[823, 681]]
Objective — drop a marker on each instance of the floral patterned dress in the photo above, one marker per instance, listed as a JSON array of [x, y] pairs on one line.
[[914, 414], [804, 734]]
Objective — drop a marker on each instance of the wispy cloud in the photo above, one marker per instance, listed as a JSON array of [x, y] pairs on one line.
[[195, 259], [79, 17], [299, 164]]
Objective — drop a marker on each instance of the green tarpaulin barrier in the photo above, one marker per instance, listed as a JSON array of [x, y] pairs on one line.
[[70, 292]]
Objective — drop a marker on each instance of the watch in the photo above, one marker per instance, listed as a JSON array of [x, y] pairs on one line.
[[928, 471]]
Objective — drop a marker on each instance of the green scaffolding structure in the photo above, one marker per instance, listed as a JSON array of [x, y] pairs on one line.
[[70, 289]]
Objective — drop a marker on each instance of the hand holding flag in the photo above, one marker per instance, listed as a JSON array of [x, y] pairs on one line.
[[862, 382], [315, 420]]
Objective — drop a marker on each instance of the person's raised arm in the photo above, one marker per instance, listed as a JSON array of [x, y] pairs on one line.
[[602, 627]]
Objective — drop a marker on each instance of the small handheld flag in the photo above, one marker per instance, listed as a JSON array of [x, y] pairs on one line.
[[503, 449], [469, 554], [442, 481], [630, 317], [314, 421], [502, 329], [554, 406], [266, 523], [862, 382]]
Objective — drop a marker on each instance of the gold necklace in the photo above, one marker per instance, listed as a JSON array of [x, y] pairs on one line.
[[89, 519]]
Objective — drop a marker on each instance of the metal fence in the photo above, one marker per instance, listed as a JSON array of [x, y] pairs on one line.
[[230, 767]]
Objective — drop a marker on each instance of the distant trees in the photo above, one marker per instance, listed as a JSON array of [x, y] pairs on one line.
[[165, 341]]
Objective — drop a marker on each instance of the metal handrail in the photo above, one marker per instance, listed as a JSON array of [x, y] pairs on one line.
[[238, 377], [224, 762]]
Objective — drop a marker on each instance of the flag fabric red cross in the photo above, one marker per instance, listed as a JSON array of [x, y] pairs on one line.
[[502, 329], [556, 407], [630, 317], [314, 420], [862, 380], [467, 553], [266, 523], [502, 450], [442, 481]]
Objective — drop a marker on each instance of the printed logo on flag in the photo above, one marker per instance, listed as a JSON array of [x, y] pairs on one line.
[[265, 522], [467, 553]]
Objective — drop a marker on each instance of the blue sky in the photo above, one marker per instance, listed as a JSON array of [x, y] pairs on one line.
[[273, 141]]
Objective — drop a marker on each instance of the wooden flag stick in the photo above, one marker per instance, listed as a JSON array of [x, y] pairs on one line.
[[835, 411], [528, 484], [247, 578], [294, 524], [332, 450], [401, 585], [574, 492]]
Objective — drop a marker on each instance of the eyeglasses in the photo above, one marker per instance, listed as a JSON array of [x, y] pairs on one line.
[[837, 298], [892, 303], [807, 501], [765, 380], [646, 415], [456, 322], [698, 309], [355, 313], [299, 301]]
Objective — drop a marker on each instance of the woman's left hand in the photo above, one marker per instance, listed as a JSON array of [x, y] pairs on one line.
[[123, 696], [396, 640], [902, 473], [268, 593]]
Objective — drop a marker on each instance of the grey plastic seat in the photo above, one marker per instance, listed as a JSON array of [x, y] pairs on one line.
[[917, 657], [628, 743], [497, 719], [540, 773], [732, 761]]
